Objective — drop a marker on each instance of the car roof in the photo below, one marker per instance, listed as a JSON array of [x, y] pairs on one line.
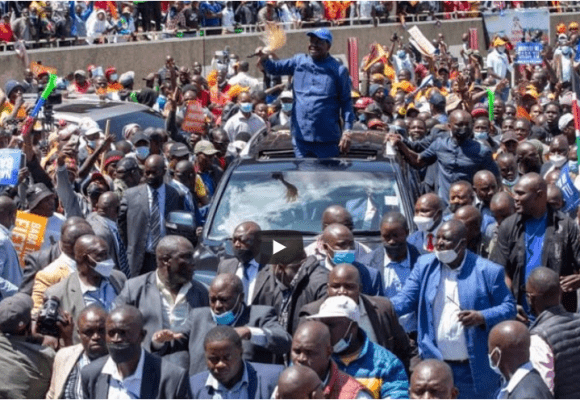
[[314, 164], [97, 110]]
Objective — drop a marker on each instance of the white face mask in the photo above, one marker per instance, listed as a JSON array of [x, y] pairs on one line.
[[495, 367], [424, 224], [558, 160], [114, 77], [501, 49], [342, 344], [103, 268], [480, 135], [447, 256]]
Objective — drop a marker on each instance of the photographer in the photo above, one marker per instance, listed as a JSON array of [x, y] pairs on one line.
[[25, 365]]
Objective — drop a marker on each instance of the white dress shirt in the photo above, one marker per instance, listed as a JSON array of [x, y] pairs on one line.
[[250, 281], [449, 331], [174, 311], [516, 378], [161, 202], [128, 388]]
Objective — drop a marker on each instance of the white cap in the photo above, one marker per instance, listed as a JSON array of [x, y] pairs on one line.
[[338, 306], [286, 94], [92, 130], [565, 120]]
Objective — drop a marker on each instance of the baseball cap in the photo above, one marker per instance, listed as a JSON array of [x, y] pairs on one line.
[[373, 109], [36, 193], [508, 137], [374, 88], [149, 77], [178, 150], [286, 94], [321, 33], [206, 147], [363, 102], [12, 85], [565, 120], [336, 307], [80, 72], [127, 78], [373, 123], [499, 42], [14, 310], [437, 99], [92, 130], [138, 137]]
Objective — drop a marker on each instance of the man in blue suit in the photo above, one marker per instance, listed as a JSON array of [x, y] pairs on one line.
[[459, 297], [229, 376], [338, 243]]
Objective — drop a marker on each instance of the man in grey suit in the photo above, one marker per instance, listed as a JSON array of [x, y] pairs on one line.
[[246, 242], [258, 327], [167, 295], [104, 224], [152, 377], [142, 216], [94, 281]]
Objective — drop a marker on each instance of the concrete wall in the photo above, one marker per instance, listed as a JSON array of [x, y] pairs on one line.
[[145, 57]]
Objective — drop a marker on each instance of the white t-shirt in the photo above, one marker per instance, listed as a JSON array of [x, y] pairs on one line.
[[498, 63]]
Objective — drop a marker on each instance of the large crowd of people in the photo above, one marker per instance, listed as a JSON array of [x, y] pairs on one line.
[[477, 298]]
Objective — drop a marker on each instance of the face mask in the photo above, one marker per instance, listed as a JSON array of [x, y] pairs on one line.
[[446, 256], [362, 118], [395, 250], [480, 135], [454, 207], [510, 184], [495, 367], [91, 143], [104, 268], [243, 255], [501, 49], [246, 107], [342, 344], [424, 224], [225, 318], [558, 160], [142, 152], [122, 352], [114, 77], [401, 54], [573, 166], [462, 132], [566, 50], [343, 257], [287, 107]]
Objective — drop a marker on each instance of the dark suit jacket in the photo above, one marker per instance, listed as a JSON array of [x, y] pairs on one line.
[[532, 386], [262, 378], [34, 262], [142, 292], [230, 265], [161, 380], [101, 229], [384, 321], [200, 322], [71, 297], [134, 221]]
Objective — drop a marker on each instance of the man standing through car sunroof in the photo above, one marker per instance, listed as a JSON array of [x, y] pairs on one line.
[[321, 87]]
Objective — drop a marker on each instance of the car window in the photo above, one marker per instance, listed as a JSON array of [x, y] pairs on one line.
[[144, 118], [295, 200]]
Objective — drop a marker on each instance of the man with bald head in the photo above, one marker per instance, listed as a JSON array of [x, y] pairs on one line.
[[471, 218], [66, 379], [142, 216], [459, 156], [334, 214], [432, 379], [537, 236], [311, 348], [166, 295], [246, 242], [10, 271], [428, 218], [299, 382], [509, 356], [528, 158], [555, 343], [485, 186], [502, 206], [150, 376], [338, 243], [93, 282], [377, 316], [458, 297], [263, 337], [104, 222], [185, 180]]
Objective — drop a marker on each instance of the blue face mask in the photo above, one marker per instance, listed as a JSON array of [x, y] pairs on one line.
[[226, 318], [480, 135], [246, 107], [343, 257], [401, 54], [287, 107], [142, 152], [362, 118], [573, 166], [91, 143], [566, 50]]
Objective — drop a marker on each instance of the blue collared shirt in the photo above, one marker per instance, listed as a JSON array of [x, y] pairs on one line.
[[321, 96], [10, 271], [395, 275], [458, 162], [238, 391]]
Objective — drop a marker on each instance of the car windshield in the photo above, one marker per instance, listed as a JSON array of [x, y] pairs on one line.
[[143, 118], [295, 200]]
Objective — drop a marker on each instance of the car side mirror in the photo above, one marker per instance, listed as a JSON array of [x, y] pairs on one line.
[[182, 223]]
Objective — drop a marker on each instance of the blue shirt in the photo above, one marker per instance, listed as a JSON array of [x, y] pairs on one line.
[[534, 240], [377, 369], [458, 162], [321, 97], [10, 271], [395, 275], [213, 7]]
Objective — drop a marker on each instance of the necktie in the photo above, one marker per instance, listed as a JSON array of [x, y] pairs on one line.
[[122, 254], [155, 220], [430, 246]]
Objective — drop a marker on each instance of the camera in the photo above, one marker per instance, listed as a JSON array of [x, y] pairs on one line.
[[48, 317]]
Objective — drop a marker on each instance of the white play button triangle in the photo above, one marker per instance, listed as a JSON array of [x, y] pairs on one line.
[[277, 247]]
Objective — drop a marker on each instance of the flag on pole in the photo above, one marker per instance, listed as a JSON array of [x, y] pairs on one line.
[[490, 101]]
